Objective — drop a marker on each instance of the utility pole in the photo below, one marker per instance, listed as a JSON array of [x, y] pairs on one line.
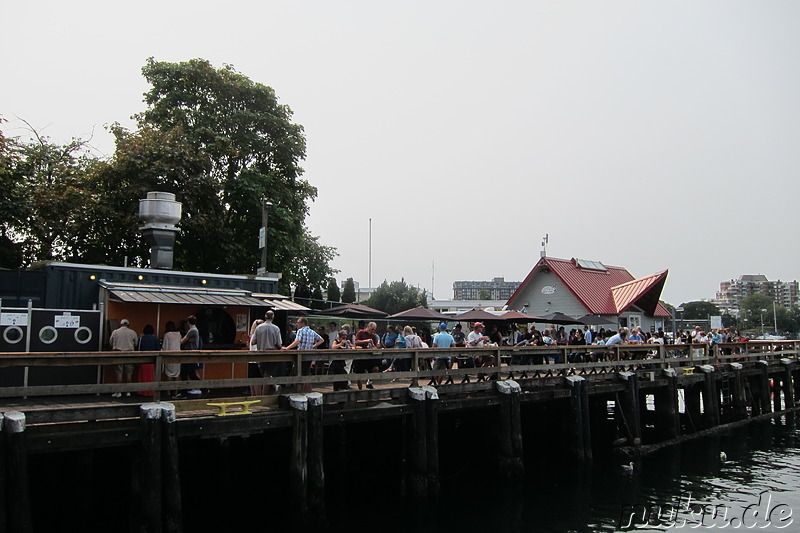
[[262, 235]]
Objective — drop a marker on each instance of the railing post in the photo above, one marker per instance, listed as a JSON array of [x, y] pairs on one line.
[[17, 485]]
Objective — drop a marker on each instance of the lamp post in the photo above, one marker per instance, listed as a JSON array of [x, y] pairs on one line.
[[762, 323], [262, 234]]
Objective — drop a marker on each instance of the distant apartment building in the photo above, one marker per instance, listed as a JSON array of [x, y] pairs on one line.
[[497, 289], [731, 293]]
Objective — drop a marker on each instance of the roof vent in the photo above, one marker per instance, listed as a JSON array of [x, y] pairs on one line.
[[160, 214]]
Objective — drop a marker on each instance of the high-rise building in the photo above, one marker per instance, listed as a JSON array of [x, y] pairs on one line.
[[731, 293], [497, 289]]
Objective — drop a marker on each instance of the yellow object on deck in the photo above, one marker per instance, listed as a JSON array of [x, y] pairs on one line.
[[223, 407]]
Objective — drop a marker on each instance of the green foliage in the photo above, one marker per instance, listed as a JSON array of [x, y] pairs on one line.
[[317, 302], [699, 310], [349, 293], [752, 309], [217, 140], [395, 297], [333, 292], [45, 194], [484, 294]]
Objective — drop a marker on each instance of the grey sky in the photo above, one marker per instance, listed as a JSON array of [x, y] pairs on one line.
[[651, 135]]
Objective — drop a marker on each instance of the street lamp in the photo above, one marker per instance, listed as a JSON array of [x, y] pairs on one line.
[[762, 323], [262, 235]]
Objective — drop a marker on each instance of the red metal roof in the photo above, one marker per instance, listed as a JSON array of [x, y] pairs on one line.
[[595, 289]]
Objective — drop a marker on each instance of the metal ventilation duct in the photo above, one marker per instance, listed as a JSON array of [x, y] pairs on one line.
[[160, 214]]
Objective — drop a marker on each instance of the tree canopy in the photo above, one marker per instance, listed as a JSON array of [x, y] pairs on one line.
[[395, 297], [216, 139], [699, 310]]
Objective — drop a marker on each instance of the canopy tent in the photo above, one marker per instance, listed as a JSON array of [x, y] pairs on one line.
[[558, 318], [595, 320], [516, 316], [421, 313], [352, 311], [476, 315]]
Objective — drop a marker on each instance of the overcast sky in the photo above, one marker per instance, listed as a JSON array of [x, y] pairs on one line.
[[649, 135]]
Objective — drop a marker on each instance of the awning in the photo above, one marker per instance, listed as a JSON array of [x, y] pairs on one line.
[[285, 305], [155, 294]]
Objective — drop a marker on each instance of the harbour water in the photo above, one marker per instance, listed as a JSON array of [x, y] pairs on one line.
[[686, 487]]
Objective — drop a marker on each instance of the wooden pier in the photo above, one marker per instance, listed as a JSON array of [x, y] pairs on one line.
[[633, 398]]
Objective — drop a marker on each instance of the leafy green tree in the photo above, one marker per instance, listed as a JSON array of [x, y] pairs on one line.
[[699, 310], [755, 306], [221, 143], [349, 293], [317, 300], [395, 297], [334, 294], [45, 193], [483, 294]]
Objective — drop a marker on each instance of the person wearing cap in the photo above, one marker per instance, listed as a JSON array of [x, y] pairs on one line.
[[476, 339], [123, 339], [442, 340], [459, 337]]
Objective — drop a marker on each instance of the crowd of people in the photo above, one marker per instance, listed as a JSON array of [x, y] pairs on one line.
[[265, 335]]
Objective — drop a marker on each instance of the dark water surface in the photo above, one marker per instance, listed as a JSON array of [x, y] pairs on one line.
[[680, 488], [240, 484]]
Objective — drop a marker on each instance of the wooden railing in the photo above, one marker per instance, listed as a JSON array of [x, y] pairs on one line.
[[310, 367]]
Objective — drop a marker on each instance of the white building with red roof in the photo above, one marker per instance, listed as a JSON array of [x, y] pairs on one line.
[[577, 287]]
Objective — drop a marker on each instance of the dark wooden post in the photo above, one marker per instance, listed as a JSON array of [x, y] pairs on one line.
[[738, 396], [19, 516], [510, 460], [710, 397], [432, 439], [3, 457], [764, 386], [298, 475], [416, 446], [691, 397], [149, 469], [776, 393], [170, 472], [668, 422], [788, 387], [315, 459], [578, 423], [629, 408]]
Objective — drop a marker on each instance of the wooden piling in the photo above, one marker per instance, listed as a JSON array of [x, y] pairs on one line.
[[691, 398], [668, 423], [763, 382], [738, 393], [148, 476], [298, 474], [788, 386], [315, 459], [416, 446], [578, 423], [18, 509], [510, 458], [3, 508], [172, 506], [629, 408], [711, 417], [432, 439], [776, 393]]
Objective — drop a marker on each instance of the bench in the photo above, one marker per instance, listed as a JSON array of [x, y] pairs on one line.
[[223, 407]]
